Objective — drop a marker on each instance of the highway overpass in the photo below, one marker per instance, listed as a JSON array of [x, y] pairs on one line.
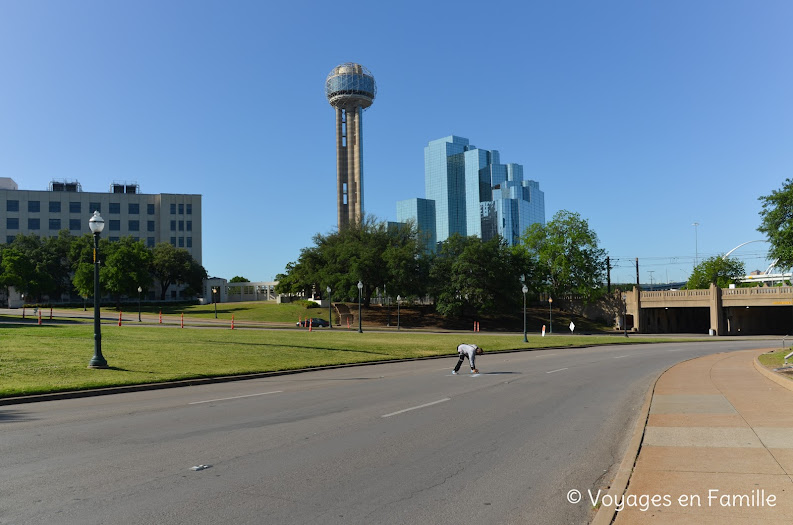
[[733, 311]]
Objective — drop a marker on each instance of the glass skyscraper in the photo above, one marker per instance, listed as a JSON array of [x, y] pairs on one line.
[[473, 194]]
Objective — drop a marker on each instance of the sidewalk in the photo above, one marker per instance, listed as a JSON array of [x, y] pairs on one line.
[[717, 447]]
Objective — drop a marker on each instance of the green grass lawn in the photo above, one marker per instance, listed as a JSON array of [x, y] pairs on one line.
[[50, 358], [775, 359]]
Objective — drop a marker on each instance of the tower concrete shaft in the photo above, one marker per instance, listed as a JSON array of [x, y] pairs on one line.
[[349, 166]]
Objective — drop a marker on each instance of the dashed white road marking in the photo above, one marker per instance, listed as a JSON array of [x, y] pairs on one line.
[[235, 397], [557, 370], [425, 405]]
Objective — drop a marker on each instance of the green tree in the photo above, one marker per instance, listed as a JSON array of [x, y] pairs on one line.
[[239, 279], [565, 255], [716, 270], [470, 276], [172, 265], [369, 252], [37, 267], [777, 223], [126, 266]]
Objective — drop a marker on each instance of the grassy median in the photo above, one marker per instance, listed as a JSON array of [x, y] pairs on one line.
[[52, 358]]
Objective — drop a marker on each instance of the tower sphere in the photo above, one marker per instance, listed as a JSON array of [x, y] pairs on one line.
[[350, 85]]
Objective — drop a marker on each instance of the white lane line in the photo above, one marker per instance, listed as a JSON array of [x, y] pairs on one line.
[[416, 408], [620, 356], [558, 370], [235, 397]]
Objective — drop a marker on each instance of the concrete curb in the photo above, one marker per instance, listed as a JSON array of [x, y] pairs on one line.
[[773, 376], [605, 515]]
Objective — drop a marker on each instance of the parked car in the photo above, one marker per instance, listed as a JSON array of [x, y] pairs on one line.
[[314, 321]]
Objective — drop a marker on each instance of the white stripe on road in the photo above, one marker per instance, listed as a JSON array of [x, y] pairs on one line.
[[416, 408], [558, 370], [620, 356], [235, 397]]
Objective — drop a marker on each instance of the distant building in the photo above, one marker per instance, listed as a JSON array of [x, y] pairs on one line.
[[469, 192], [151, 218]]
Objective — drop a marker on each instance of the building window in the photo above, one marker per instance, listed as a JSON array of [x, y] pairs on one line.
[[189, 226], [55, 224], [134, 226], [113, 239], [150, 242], [134, 208], [173, 226], [10, 239], [115, 207], [34, 206], [189, 209], [12, 205], [189, 242], [34, 224], [115, 225], [74, 207], [74, 225], [55, 206], [181, 226], [173, 241], [95, 206], [181, 242], [173, 209], [12, 223], [150, 209], [181, 209], [150, 226]]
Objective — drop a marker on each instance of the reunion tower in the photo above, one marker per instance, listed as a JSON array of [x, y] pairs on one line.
[[350, 89]]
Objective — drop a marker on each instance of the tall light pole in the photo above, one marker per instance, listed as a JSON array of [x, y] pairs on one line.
[[360, 289], [330, 315], [550, 315], [140, 291], [524, 290], [399, 299], [215, 300], [651, 272], [97, 224], [696, 244]]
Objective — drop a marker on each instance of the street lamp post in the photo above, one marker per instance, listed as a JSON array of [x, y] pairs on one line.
[[550, 315], [360, 289], [215, 300], [524, 290], [140, 291], [399, 299], [330, 315], [97, 224]]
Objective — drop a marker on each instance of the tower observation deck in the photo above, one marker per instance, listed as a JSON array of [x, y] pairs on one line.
[[350, 89]]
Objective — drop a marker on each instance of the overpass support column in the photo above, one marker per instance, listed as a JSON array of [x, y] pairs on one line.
[[717, 321], [634, 307]]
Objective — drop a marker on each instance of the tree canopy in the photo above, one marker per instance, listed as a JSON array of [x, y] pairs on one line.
[[716, 270], [565, 257], [777, 224]]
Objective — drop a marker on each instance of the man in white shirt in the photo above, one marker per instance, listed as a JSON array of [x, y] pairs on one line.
[[470, 351]]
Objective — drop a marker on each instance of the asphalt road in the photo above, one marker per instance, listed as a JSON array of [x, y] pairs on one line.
[[393, 443]]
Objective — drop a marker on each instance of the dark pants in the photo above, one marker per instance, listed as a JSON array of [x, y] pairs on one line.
[[460, 362]]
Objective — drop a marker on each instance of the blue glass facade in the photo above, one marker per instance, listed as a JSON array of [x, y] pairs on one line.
[[422, 213], [474, 194]]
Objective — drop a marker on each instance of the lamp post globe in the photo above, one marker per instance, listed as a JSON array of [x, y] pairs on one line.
[[360, 289], [330, 303], [524, 290], [399, 299], [215, 300], [140, 291], [96, 223]]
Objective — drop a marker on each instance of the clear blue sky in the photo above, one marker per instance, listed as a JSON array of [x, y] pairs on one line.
[[642, 116]]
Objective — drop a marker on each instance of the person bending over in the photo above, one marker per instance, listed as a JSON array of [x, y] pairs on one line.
[[470, 351]]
